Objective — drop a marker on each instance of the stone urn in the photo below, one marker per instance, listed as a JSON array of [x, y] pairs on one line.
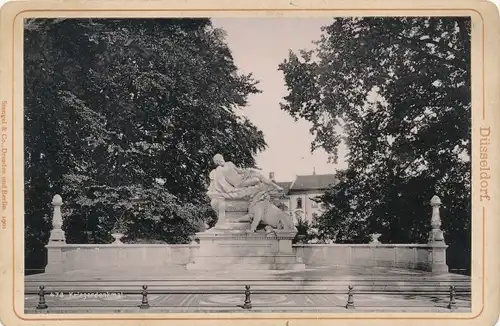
[[375, 237], [194, 240], [117, 237]]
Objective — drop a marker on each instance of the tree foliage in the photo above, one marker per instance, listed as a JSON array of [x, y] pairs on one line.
[[122, 118], [306, 230], [397, 91]]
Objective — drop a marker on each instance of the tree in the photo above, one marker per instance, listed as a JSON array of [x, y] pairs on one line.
[[122, 118], [397, 91], [306, 231]]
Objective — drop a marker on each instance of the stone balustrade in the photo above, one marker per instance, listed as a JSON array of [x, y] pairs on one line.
[[409, 256], [71, 257], [158, 256], [63, 257]]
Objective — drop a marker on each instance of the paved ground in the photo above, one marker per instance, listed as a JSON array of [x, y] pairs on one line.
[[233, 302], [332, 281]]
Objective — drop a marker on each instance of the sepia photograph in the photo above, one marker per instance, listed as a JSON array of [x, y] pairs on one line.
[[223, 164]]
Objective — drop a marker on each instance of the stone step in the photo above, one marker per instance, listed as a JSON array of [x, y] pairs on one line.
[[247, 266], [285, 277], [246, 263], [248, 276]]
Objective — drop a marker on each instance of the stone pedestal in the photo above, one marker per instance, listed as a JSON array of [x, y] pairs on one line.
[[57, 236], [437, 258], [55, 259], [231, 246]]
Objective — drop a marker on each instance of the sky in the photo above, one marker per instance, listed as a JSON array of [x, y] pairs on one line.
[[258, 46]]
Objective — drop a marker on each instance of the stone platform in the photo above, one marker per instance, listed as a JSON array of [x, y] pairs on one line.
[[220, 250], [232, 245]]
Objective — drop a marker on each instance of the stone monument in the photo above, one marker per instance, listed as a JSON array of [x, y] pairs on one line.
[[251, 232]]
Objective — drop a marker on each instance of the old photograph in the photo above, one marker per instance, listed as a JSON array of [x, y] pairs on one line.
[[218, 164]]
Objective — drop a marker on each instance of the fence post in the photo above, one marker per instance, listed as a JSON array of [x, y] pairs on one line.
[[350, 299], [144, 303], [248, 301], [42, 304], [452, 305]]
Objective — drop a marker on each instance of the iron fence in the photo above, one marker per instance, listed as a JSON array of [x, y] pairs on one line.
[[451, 294]]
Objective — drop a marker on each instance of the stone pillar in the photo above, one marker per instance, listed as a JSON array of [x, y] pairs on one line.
[[57, 234], [57, 240], [437, 247]]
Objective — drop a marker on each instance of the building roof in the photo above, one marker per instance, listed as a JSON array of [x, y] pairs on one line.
[[284, 185], [313, 182]]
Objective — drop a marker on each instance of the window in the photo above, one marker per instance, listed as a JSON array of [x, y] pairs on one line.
[[299, 202]]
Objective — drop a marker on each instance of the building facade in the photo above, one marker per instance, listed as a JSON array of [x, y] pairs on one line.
[[301, 192]]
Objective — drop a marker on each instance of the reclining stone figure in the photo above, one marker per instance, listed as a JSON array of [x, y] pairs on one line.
[[230, 182]]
